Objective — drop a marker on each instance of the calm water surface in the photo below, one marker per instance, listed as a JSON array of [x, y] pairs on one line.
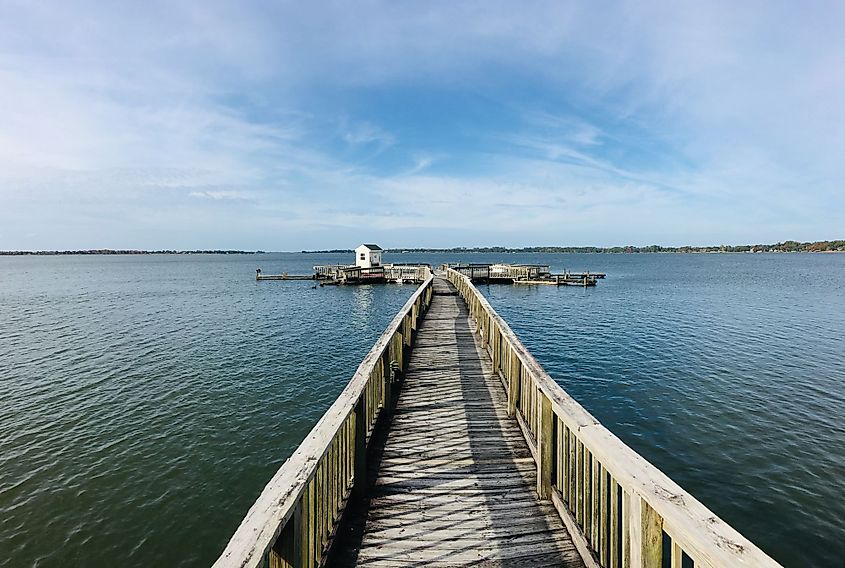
[[147, 400]]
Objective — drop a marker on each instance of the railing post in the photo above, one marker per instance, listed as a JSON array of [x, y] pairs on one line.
[[360, 476], [652, 539], [545, 450], [645, 529]]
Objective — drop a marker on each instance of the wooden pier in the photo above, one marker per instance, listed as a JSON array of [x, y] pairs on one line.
[[451, 446], [283, 276], [538, 274], [343, 274]]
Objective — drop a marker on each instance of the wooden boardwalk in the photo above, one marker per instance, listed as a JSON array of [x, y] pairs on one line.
[[455, 484], [450, 472]]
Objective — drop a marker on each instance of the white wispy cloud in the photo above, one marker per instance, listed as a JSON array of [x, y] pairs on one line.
[[366, 133]]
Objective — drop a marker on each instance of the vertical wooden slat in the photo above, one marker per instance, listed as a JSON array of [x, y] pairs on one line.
[[614, 524], [322, 507], [336, 496], [387, 375], [308, 525], [360, 449], [494, 350], [560, 457], [594, 503], [633, 519], [677, 555], [588, 496], [572, 475], [545, 450], [579, 484], [513, 383], [604, 527]]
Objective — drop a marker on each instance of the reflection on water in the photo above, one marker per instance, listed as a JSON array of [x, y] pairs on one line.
[[363, 299]]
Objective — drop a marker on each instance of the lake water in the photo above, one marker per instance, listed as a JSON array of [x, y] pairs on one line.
[[145, 401]]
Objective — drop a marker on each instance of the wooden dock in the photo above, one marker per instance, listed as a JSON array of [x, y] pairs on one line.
[[456, 481], [342, 274], [451, 446], [530, 274]]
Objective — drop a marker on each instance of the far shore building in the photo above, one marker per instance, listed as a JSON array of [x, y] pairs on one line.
[[368, 256]]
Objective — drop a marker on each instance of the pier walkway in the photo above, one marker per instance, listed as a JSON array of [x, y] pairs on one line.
[[456, 485], [452, 446]]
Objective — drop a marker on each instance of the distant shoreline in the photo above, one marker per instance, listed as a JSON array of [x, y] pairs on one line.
[[784, 247]]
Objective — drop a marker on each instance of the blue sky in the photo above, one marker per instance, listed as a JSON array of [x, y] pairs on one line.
[[283, 126]]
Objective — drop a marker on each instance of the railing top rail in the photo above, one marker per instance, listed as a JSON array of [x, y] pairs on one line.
[[705, 536], [268, 515]]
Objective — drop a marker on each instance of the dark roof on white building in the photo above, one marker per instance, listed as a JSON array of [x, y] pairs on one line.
[[372, 247]]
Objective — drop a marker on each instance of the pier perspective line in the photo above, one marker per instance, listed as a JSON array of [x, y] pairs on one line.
[[451, 446]]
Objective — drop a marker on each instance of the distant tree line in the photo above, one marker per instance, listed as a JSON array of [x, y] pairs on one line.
[[328, 251], [786, 246]]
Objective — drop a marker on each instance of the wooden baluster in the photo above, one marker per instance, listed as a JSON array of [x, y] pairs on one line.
[[321, 510], [360, 449], [513, 383], [308, 526], [677, 555], [545, 449], [560, 457], [571, 474], [588, 495], [614, 524], [579, 485], [386, 378], [604, 524], [595, 470]]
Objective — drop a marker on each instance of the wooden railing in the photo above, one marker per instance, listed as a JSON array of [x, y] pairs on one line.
[[294, 520], [621, 510]]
